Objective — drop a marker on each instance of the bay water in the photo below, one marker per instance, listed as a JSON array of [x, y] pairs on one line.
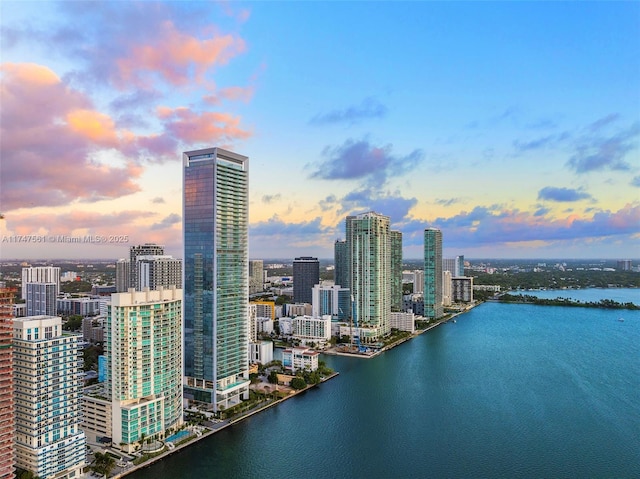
[[507, 390]]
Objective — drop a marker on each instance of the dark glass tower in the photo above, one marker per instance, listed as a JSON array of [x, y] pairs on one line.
[[306, 274]]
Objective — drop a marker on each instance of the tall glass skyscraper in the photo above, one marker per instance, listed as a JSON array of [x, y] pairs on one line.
[[216, 284], [369, 260], [341, 271], [432, 273], [396, 270], [256, 273], [143, 346]]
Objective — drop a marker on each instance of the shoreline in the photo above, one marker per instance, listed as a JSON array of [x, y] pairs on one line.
[[210, 432], [400, 341], [231, 422]]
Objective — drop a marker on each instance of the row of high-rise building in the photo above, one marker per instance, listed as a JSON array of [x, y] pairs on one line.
[[179, 331]]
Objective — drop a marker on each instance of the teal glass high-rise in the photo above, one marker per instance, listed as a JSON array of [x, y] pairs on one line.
[[432, 273], [216, 286]]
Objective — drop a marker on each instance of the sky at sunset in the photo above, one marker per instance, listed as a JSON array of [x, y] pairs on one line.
[[513, 127]]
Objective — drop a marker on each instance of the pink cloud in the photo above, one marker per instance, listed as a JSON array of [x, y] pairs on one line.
[[129, 227], [233, 93], [518, 226], [121, 222], [49, 133], [173, 55], [206, 127], [496, 226]]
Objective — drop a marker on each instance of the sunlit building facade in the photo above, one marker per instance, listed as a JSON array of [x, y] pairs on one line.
[[396, 270], [143, 347], [256, 276], [369, 261], [331, 299], [216, 286]]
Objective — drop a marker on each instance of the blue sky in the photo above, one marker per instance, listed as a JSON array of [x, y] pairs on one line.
[[512, 126]]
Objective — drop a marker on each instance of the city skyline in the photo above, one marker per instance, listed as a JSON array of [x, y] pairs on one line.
[[512, 127]]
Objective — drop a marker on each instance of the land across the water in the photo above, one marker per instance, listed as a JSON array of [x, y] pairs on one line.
[[352, 351], [559, 301]]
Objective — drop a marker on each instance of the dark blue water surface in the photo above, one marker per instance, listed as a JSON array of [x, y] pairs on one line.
[[506, 391]]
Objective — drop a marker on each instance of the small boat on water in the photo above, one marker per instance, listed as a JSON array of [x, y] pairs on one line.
[[621, 319]]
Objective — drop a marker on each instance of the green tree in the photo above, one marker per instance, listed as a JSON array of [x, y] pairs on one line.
[[298, 383], [73, 322], [273, 377], [103, 464], [76, 287], [24, 474]]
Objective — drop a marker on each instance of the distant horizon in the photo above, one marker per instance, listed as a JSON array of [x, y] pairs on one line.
[[512, 127], [284, 260]]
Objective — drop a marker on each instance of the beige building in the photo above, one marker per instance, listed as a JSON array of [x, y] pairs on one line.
[[96, 414], [403, 321]]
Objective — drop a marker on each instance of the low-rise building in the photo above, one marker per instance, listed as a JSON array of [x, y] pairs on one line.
[[487, 287], [261, 352], [299, 309], [80, 306], [96, 415], [311, 330], [298, 359], [403, 321], [264, 325], [285, 324]]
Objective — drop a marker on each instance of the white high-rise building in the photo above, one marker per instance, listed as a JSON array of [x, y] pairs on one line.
[[334, 300], [41, 274], [446, 288], [41, 299], [143, 346], [47, 385], [155, 271], [311, 330]]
